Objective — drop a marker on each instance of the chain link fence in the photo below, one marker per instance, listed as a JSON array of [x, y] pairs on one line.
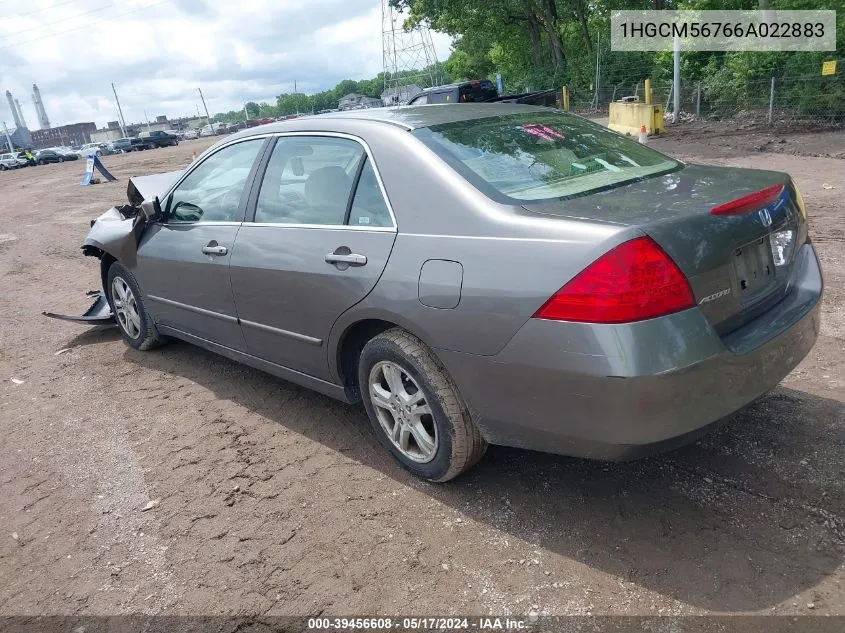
[[809, 97]]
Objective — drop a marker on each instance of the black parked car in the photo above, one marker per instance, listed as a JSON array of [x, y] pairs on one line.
[[138, 144], [483, 91], [47, 156], [465, 92], [159, 138]]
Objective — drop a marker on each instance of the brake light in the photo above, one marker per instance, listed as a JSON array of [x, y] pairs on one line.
[[635, 281], [750, 202]]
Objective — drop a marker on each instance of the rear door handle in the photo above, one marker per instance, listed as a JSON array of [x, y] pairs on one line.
[[353, 259], [213, 248]]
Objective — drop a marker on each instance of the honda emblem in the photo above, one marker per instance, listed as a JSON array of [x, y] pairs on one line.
[[765, 217]]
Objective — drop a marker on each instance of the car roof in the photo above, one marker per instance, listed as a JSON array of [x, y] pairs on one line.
[[409, 117]]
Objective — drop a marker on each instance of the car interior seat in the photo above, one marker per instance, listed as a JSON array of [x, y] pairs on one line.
[[326, 193]]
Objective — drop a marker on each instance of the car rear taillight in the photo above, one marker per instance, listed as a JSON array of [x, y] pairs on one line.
[[750, 202], [637, 280]]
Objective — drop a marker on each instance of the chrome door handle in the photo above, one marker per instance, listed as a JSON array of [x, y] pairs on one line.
[[213, 248], [353, 259]]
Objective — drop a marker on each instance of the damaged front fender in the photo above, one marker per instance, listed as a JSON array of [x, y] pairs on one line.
[[118, 231], [115, 235]]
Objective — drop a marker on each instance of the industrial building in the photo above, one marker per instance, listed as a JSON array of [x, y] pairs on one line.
[[73, 134]]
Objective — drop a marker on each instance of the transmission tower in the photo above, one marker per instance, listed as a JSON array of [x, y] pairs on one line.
[[409, 57]]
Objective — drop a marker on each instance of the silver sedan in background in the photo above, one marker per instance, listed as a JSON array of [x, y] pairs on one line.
[[473, 274]]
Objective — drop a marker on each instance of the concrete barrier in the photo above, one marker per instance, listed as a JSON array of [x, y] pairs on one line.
[[628, 118]]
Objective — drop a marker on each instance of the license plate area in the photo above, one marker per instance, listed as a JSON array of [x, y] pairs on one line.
[[755, 268]]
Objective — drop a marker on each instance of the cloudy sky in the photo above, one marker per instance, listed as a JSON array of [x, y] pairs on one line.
[[158, 51]]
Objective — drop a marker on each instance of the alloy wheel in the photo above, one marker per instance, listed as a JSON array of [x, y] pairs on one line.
[[403, 412], [126, 307]]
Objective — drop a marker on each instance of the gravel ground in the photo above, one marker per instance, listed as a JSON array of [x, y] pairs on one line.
[[179, 482]]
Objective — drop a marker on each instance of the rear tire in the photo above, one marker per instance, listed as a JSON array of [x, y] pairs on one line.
[[415, 408], [127, 305]]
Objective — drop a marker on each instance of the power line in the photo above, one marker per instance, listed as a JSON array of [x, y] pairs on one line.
[[85, 26], [68, 19], [40, 9]]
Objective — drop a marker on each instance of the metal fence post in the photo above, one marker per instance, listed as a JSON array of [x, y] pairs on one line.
[[771, 99], [698, 102], [676, 80]]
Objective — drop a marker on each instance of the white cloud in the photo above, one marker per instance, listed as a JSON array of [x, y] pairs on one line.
[[157, 52]]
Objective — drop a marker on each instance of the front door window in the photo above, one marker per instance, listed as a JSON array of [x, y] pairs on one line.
[[212, 191]]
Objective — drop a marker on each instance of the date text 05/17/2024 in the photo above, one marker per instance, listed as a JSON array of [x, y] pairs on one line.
[[422, 623]]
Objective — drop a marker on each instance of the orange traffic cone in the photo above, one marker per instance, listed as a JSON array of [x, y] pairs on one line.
[[643, 134]]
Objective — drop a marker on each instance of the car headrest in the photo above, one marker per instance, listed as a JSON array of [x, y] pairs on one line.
[[328, 186]]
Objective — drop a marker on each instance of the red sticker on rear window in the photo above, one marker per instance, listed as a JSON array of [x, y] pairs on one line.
[[543, 131]]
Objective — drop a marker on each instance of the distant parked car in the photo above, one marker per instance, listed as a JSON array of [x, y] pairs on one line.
[[12, 160], [213, 129], [99, 149], [45, 156], [139, 144], [159, 138], [189, 135], [464, 92], [122, 145], [65, 153]]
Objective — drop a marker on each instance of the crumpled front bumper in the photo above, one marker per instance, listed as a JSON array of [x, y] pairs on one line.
[[98, 314]]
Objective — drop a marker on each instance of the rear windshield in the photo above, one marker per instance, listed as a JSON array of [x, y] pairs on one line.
[[542, 155]]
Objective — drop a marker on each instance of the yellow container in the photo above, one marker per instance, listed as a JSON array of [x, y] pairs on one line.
[[628, 118]]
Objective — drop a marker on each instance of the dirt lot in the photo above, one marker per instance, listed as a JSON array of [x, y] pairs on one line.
[[275, 500]]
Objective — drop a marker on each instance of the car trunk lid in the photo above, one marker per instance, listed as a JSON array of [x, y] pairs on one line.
[[737, 259]]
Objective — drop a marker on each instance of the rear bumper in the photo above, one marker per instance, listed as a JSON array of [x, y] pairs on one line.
[[621, 391]]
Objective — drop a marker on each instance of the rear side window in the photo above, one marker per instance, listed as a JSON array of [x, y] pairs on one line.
[[321, 180], [309, 180], [542, 155], [368, 206]]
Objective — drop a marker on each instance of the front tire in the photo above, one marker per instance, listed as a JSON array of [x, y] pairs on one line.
[[415, 408], [127, 305]]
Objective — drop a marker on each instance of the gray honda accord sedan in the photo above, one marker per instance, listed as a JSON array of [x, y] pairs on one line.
[[475, 274]]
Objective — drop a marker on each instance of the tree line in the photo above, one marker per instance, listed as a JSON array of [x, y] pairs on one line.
[[539, 44]]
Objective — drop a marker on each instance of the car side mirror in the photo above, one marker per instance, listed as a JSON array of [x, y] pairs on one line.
[[151, 209]]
